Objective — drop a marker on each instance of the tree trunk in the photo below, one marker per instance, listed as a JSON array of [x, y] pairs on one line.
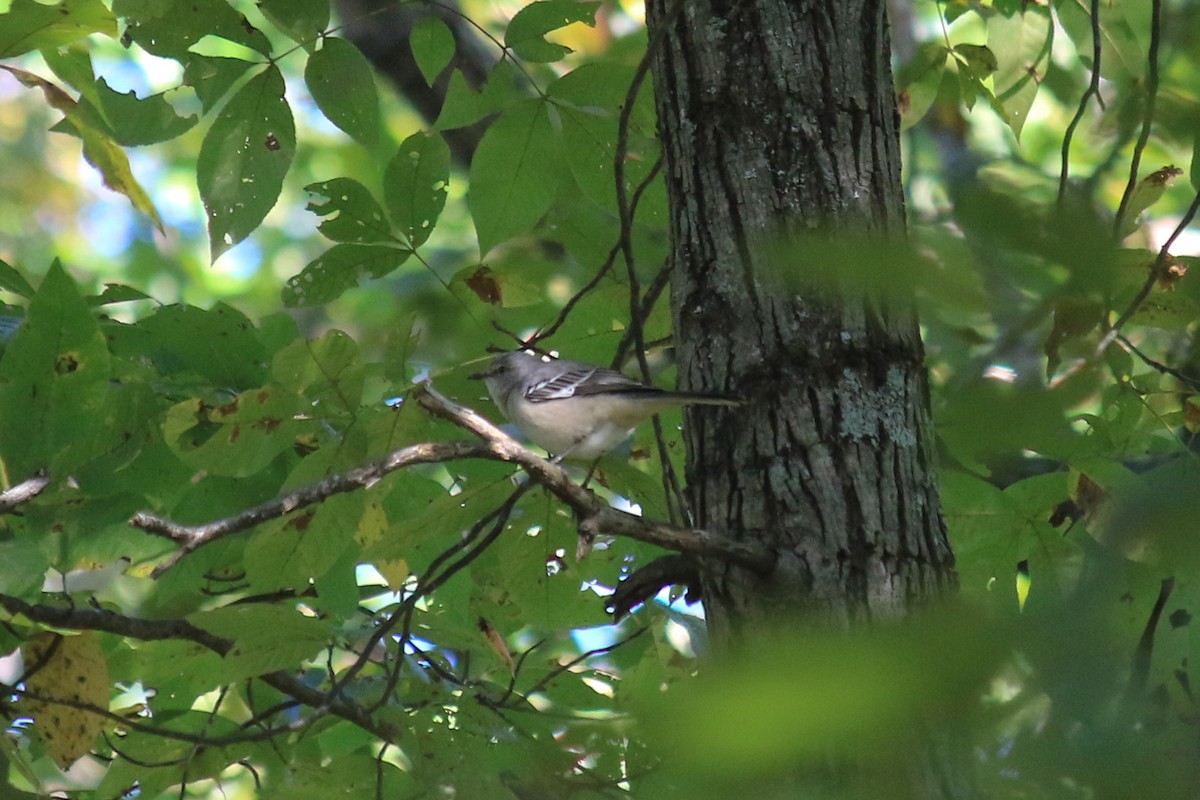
[[779, 117]]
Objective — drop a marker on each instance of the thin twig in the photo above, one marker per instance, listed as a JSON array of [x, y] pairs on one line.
[[95, 619], [498, 520], [1147, 118], [594, 516], [192, 537], [1158, 365], [1156, 271], [547, 679], [605, 268], [1093, 90], [625, 207], [649, 299]]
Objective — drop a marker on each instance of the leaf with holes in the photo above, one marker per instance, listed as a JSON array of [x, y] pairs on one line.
[[244, 158], [350, 213], [415, 184], [52, 378], [337, 269], [526, 33]]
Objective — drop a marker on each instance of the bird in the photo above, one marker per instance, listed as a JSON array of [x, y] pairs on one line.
[[576, 410]]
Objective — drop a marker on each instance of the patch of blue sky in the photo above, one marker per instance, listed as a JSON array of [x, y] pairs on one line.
[[144, 75], [607, 635], [241, 262], [108, 225], [178, 206]]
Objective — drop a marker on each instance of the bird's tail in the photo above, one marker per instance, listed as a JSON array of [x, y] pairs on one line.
[[698, 399]]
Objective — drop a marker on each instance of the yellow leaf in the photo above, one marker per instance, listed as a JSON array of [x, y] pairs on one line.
[[67, 673], [100, 149], [394, 572], [372, 525]]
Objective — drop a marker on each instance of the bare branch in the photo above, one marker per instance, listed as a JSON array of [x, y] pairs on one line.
[[94, 619], [192, 537], [595, 516], [23, 492], [648, 581]]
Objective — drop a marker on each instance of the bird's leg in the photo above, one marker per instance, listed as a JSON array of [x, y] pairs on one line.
[[591, 471]]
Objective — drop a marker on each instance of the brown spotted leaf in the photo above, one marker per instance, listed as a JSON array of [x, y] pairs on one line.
[[68, 674]]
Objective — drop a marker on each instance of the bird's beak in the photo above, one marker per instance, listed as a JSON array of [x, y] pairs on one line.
[[479, 376]]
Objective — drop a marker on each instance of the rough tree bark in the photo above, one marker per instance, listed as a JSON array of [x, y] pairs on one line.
[[779, 118]]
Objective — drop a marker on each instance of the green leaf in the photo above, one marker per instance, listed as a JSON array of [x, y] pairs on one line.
[[244, 158], [917, 82], [169, 29], [110, 160], [266, 638], [220, 345], [527, 30], [343, 85], [328, 370], [464, 106], [1194, 169], [339, 268], [415, 184], [28, 25], [212, 78], [124, 117], [588, 101], [1149, 190], [510, 189], [352, 215], [1123, 55], [1021, 44], [349, 775], [302, 20], [237, 439], [25, 564], [53, 380], [992, 530], [425, 525], [289, 552], [140, 121], [432, 47], [13, 281], [1172, 311], [975, 64], [117, 293], [981, 61], [860, 687]]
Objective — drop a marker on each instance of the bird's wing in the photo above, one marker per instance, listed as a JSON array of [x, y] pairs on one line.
[[583, 381]]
